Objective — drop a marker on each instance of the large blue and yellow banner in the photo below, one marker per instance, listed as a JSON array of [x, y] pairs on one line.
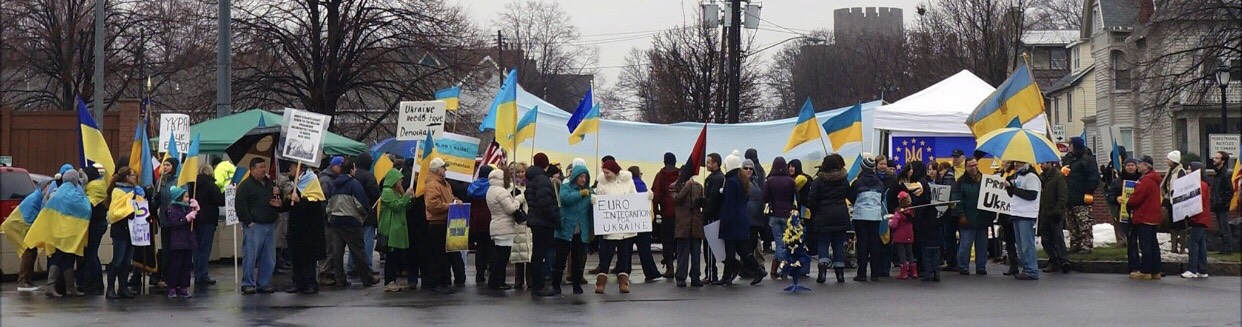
[[458, 228]]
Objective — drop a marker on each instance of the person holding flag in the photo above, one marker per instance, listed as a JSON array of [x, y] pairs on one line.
[[867, 195], [126, 194], [306, 230], [60, 230]]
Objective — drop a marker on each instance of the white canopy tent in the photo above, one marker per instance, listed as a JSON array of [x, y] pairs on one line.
[[940, 109]]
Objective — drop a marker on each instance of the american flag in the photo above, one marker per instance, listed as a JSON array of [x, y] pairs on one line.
[[495, 156]]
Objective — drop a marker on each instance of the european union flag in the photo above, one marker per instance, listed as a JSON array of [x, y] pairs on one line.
[[928, 148]]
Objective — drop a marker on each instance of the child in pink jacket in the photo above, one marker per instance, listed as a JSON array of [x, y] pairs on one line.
[[903, 236]]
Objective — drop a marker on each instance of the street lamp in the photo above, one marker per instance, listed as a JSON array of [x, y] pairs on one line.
[[1222, 78]]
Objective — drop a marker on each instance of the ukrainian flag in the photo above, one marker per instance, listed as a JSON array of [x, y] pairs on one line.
[[62, 223], [526, 126], [450, 96], [171, 150], [806, 129], [17, 224], [189, 168], [94, 147], [308, 184], [123, 205], [381, 167], [424, 165], [1018, 97], [140, 156], [589, 125], [584, 106], [845, 128], [503, 114]]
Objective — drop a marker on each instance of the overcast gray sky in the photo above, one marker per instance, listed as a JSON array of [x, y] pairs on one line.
[[616, 26]]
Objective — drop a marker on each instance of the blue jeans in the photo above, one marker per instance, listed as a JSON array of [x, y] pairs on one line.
[[977, 238], [206, 235], [1198, 250], [778, 234], [368, 247], [259, 247], [1132, 249], [1024, 235], [837, 241], [122, 257]]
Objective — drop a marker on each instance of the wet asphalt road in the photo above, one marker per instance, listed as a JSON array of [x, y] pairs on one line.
[[992, 300]]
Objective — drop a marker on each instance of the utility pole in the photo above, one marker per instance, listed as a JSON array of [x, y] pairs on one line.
[[735, 60], [224, 60], [500, 56], [98, 101]]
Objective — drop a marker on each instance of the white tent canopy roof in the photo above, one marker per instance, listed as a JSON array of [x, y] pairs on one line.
[[941, 108]]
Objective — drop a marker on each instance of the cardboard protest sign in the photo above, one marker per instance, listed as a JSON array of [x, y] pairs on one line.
[[230, 205], [304, 140], [175, 125], [416, 118], [1187, 196], [458, 238], [992, 195], [139, 228], [624, 213]]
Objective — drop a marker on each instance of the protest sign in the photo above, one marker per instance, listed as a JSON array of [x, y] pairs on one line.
[[992, 195], [712, 233], [139, 228], [230, 205], [1187, 196], [458, 238], [940, 193], [416, 118], [175, 125], [624, 213], [458, 152], [1127, 188], [305, 137]]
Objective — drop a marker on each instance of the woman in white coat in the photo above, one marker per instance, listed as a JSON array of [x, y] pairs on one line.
[[502, 205], [615, 181]]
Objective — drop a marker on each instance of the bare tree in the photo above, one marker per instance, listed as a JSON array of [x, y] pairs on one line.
[[549, 42], [1055, 14]]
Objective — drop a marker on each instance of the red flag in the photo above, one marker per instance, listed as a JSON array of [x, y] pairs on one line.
[[698, 154]]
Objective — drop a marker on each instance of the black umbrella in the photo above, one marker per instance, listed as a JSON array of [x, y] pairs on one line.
[[260, 142]]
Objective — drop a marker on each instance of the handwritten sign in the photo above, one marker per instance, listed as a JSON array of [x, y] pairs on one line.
[[1187, 196], [305, 136], [175, 125], [620, 214], [230, 205], [992, 195], [416, 118], [139, 228], [458, 235]]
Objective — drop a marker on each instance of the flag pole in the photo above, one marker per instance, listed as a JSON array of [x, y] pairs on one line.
[[821, 137], [598, 131]]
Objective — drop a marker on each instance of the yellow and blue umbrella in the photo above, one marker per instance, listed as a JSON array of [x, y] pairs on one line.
[[1017, 144]]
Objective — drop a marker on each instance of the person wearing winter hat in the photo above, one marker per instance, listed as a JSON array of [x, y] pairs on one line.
[[665, 209], [1083, 179], [1052, 217], [1177, 235], [830, 217], [867, 193], [735, 221], [1117, 196], [543, 218], [1145, 210], [181, 212], [541, 160], [615, 181], [759, 229], [54, 232]]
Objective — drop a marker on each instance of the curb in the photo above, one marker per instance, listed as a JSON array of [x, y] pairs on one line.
[[1168, 268]]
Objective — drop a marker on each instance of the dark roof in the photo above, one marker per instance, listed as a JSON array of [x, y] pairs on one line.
[[1119, 13], [1069, 80]]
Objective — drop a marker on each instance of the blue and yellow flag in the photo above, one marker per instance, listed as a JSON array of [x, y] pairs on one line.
[[62, 223], [381, 166], [1018, 97], [526, 126], [93, 146], [450, 96], [189, 168], [584, 106], [170, 149], [1118, 165], [140, 156], [588, 125], [502, 116], [424, 164], [308, 186], [845, 128], [806, 129]]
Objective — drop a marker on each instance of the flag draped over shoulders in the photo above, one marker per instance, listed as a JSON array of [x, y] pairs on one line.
[[63, 222]]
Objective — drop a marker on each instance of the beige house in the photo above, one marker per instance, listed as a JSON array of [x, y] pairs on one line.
[[1071, 98]]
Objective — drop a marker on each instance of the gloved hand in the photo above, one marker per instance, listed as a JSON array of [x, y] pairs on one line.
[[140, 192], [584, 193], [190, 216], [194, 204]]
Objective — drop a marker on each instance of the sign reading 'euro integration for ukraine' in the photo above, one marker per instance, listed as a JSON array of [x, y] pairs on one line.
[[619, 214]]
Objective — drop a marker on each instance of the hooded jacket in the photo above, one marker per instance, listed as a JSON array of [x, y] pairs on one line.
[[392, 221], [827, 202], [1083, 179], [779, 190], [541, 199], [436, 199], [476, 194], [346, 198], [734, 216], [1144, 203], [663, 202], [370, 187], [575, 208], [689, 200], [180, 237], [1052, 199], [621, 184], [1222, 190], [801, 180], [867, 195], [501, 204]]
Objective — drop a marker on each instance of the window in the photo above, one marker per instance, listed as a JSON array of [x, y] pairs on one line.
[[1126, 138], [1235, 70], [1121, 71], [1069, 106], [1057, 58], [1077, 56], [1056, 110]]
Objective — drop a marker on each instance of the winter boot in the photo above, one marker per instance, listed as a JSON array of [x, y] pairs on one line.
[[759, 273], [623, 282], [53, 273], [519, 277], [726, 278], [111, 285], [840, 274], [577, 287], [71, 284], [823, 273], [772, 271], [861, 274], [914, 270], [904, 274], [601, 281]]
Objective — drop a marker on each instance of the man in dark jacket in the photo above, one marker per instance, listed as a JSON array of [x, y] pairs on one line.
[[711, 212], [1052, 217], [1222, 192], [257, 206], [543, 219], [210, 199], [346, 214], [665, 207], [372, 190], [973, 222], [1083, 179]]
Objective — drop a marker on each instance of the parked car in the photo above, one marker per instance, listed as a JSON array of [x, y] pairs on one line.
[[15, 184], [39, 179]]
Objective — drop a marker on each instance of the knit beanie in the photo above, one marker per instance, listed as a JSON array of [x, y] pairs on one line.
[[670, 159], [541, 160], [1149, 160], [611, 165], [733, 161], [1175, 156], [868, 160]]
